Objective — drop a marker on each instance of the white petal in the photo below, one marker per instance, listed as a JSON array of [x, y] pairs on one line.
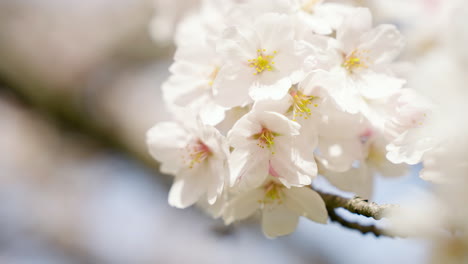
[[232, 84], [212, 114], [279, 124], [338, 154], [383, 43], [164, 141], [187, 189], [306, 202], [353, 26], [243, 205], [275, 87], [357, 180], [280, 106], [278, 220], [292, 169], [248, 169], [273, 30], [410, 147], [218, 173], [373, 85], [237, 45]]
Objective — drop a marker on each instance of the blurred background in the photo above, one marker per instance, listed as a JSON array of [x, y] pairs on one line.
[[79, 87]]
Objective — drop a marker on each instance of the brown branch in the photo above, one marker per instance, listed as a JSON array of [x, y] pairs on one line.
[[356, 205], [364, 229], [360, 206]]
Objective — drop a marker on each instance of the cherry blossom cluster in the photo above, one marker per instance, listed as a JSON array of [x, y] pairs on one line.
[[269, 95]]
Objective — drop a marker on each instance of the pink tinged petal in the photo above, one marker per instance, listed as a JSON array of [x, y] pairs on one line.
[[272, 171], [306, 202], [383, 44], [373, 85], [354, 25], [278, 220], [232, 84], [187, 188], [243, 205], [164, 142]]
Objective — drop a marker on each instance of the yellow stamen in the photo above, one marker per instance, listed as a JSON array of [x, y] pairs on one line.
[[273, 193], [263, 62], [301, 104], [266, 138], [355, 60]]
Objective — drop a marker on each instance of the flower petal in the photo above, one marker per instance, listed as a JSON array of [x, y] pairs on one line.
[[243, 205], [383, 43], [278, 220], [187, 189], [354, 25], [164, 141], [306, 202]]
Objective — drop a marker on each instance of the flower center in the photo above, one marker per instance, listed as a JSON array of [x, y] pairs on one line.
[[356, 60], [301, 104], [266, 138], [263, 62], [197, 153], [273, 193]]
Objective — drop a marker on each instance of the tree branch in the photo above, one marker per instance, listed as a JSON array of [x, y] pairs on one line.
[[356, 205], [364, 229]]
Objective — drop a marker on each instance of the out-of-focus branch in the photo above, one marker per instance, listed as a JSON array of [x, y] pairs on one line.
[[364, 229], [356, 205], [68, 112]]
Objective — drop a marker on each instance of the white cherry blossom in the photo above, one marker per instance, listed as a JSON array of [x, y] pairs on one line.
[[259, 61], [194, 72], [195, 155], [280, 207], [266, 143], [363, 58]]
